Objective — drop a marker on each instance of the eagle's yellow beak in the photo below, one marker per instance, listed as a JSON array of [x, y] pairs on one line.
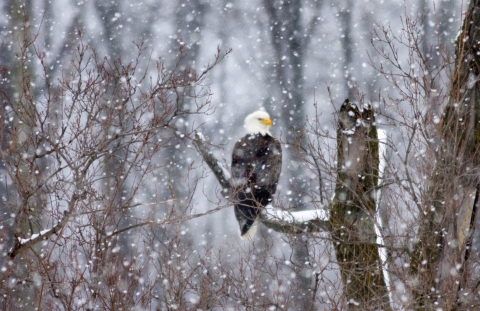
[[267, 121]]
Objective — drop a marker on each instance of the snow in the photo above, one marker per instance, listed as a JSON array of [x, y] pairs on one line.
[[349, 132], [382, 140], [34, 236], [291, 216], [200, 136]]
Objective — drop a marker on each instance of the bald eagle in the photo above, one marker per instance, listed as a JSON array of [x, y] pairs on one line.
[[256, 166]]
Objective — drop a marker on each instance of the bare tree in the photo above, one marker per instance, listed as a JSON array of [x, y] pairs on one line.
[[439, 204], [96, 110], [447, 252]]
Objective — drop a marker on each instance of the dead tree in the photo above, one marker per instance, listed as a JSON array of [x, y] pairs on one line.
[[441, 256], [352, 212]]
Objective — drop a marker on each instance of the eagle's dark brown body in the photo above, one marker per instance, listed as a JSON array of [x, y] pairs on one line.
[[256, 166]]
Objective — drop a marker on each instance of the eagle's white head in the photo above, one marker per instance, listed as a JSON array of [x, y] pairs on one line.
[[258, 123]]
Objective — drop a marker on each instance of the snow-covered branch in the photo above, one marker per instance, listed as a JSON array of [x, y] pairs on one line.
[[295, 222], [24, 244]]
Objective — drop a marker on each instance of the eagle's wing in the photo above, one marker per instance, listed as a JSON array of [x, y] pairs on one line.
[[273, 165], [258, 166], [240, 169]]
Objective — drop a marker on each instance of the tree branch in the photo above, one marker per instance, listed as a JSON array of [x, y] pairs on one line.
[[213, 163], [24, 244]]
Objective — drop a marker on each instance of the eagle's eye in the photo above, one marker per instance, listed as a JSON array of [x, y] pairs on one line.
[[260, 119]]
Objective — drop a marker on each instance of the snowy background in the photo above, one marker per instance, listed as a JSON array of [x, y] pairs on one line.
[[286, 57]]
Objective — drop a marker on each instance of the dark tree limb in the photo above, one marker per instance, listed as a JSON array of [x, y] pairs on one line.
[[212, 163], [22, 245]]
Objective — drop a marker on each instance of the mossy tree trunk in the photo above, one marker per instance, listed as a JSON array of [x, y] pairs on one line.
[[441, 253], [352, 212]]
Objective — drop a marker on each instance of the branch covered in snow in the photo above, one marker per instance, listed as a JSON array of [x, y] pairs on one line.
[[295, 222], [24, 244]]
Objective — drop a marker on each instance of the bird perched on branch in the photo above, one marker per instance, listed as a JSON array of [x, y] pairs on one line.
[[256, 166]]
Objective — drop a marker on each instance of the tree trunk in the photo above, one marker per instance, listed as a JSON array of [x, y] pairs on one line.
[[446, 227], [353, 210]]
